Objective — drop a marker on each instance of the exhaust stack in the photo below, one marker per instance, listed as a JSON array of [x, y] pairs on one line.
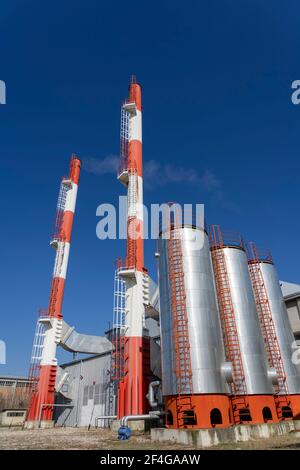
[[49, 324]]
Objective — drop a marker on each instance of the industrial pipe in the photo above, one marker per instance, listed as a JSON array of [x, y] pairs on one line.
[[227, 371], [150, 396], [104, 417], [124, 431], [272, 375]]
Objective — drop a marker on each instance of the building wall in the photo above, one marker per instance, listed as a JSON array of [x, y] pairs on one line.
[[12, 417], [293, 309], [291, 295], [87, 390], [13, 392]]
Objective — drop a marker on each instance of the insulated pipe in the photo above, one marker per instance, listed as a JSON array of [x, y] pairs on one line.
[[153, 415], [73, 341], [44, 392], [112, 417], [151, 398], [124, 431]]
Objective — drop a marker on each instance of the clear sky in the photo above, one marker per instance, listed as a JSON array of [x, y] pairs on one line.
[[219, 129]]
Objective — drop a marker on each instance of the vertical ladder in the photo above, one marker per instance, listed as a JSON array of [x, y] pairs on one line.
[[58, 241], [268, 329], [59, 257], [180, 337], [132, 218], [61, 203], [124, 136], [112, 394], [239, 400], [118, 331], [37, 352]]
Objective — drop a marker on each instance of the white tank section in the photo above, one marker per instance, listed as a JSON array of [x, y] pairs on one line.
[[205, 336], [250, 337], [282, 326]]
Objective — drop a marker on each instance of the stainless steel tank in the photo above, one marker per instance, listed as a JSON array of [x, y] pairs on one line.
[[254, 359], [282, 326], [205, 334]]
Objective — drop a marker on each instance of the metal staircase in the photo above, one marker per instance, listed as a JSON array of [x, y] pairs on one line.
[[180, 337], [239, 399], [268, 328]]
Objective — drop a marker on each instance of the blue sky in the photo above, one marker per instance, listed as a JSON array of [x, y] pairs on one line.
[[219, 129]]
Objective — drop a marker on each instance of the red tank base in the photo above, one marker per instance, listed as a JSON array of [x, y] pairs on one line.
[[197, 411], [261, 409]]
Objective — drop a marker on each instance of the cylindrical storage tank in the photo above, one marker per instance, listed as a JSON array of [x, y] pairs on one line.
[[254, 370], [283, 330], [209, 388]]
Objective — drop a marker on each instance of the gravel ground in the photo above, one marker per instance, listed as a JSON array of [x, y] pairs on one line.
[[74, 439], [82, 439]]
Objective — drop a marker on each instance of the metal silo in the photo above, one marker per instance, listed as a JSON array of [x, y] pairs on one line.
[[193, 359], [252, 390], [278, 334]]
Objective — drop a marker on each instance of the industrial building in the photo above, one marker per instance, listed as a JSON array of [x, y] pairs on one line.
[[88, 402], [291, 294], [95, 369], [209, 346], [89, 390], [13, 392]]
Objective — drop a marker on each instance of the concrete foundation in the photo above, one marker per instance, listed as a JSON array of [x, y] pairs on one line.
[[200, 438], [39, 424], [134, 425]]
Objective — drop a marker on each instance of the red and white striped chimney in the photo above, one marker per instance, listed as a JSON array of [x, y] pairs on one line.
[[41, 408], [133, 387]]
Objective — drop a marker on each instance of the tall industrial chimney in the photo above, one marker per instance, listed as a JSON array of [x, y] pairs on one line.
[[133, 386], [49, 324]]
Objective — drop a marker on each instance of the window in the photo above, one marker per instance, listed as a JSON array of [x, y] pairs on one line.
[[169, 418], [85, 395], [11, 414], [286, 412], [267, 414], [91, 392], [7, 383], [65, 388], [215, 417], [245, 415], [97, 397], [189, 418]]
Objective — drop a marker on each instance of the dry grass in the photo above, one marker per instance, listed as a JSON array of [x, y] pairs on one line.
[[82, 439]]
